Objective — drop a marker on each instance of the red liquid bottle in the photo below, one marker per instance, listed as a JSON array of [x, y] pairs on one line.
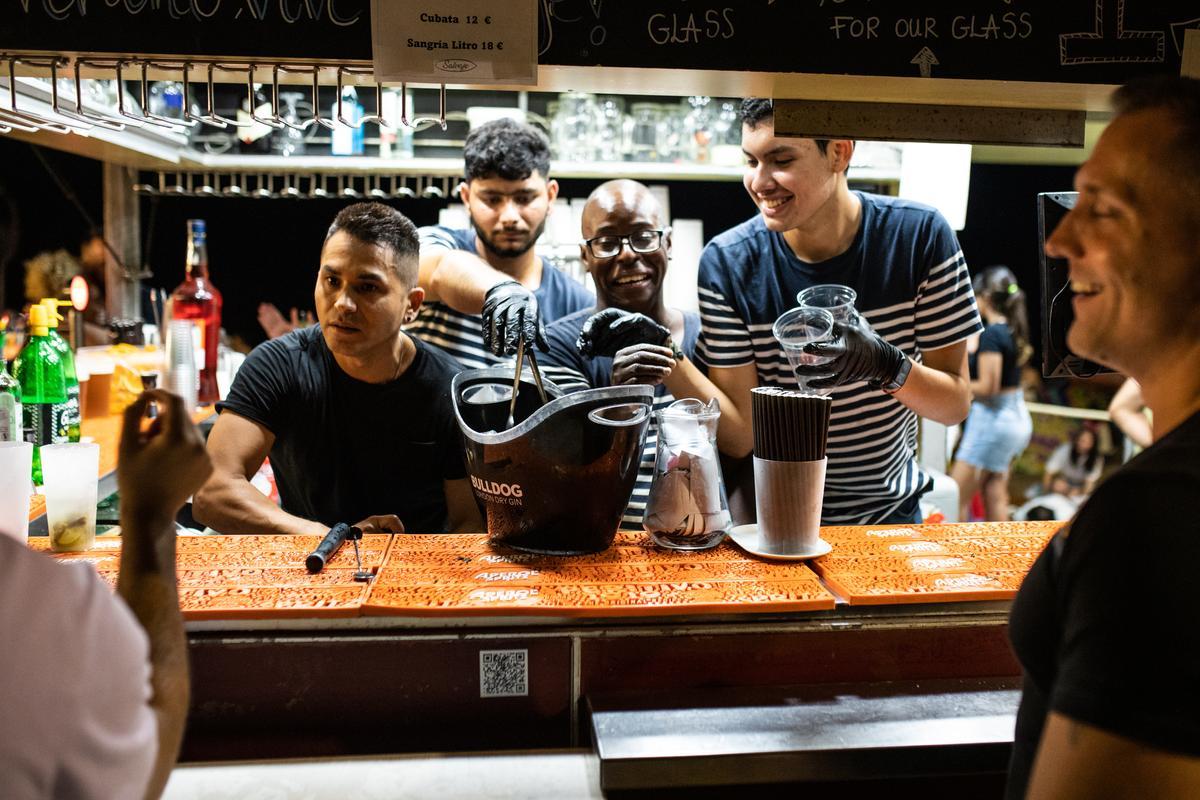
[[198, 301]]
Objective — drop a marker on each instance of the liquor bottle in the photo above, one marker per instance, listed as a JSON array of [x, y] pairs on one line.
[[11, 423], [198, 301], [66, 416], [39, 370]]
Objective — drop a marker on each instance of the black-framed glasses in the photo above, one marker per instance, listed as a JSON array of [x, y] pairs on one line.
[[609, 245]]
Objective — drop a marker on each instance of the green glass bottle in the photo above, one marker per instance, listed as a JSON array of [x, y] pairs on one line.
[[68, 415], [40, 371], [11, 423]]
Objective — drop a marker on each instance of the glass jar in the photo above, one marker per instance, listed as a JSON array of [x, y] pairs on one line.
[[699, 126], [726, 148], [643, 133], [672, 134], [687, 509], [578, 126], [610, 135]]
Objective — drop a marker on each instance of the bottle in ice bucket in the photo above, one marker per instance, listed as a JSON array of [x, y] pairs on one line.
[[67, 416], [198, 301], [687, 509], [12, 426], [40, 371]]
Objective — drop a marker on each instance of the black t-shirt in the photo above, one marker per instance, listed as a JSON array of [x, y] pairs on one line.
[[998, 338], [344, 449], [1105, 624]]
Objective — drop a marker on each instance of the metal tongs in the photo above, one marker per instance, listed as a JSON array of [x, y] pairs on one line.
[[537, 378]]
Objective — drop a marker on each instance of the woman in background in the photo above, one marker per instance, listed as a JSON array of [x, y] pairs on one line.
[[998, 427], [1075, 466]]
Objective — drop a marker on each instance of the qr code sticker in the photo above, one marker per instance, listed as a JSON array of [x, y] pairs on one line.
[[503, 673]]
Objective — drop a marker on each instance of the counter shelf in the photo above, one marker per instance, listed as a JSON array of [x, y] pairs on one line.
[[284, 664]]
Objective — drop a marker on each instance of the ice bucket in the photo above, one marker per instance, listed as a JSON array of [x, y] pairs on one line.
[[557, 481]]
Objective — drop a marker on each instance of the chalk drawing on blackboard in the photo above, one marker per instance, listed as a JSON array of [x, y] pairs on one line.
[[1178, 31], [1109, 43], [925, 59]]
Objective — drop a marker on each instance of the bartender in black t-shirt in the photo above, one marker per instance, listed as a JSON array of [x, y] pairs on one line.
[[354, 413], [1105, 623]]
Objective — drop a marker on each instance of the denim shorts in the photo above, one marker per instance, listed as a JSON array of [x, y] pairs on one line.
[[998, 429]]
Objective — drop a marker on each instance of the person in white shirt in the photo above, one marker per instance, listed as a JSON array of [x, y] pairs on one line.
[[95, 689]]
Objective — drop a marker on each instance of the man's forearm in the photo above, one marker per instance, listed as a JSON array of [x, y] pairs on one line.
[[234, 506], [462, 279], [734, 433], [147, 585], [936, 395]]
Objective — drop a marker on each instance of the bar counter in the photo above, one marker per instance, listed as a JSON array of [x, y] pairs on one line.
[[456, 646]]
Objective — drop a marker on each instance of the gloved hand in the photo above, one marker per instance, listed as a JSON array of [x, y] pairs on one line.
[[610, 330], [510, 312], [858, 353], [647, 364]]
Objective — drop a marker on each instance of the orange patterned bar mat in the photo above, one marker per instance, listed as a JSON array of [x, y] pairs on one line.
[[251, 577], [461, 575], [881, 564]]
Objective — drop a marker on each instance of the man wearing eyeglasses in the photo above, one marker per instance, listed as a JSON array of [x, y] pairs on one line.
[[631, 336], [485, 287]]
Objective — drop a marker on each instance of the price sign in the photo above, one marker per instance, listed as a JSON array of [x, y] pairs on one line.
[[455, 41]]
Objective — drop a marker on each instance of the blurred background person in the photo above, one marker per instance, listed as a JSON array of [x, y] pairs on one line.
[[274, 324], [1131, 416], [1075, 465], [998, 427]]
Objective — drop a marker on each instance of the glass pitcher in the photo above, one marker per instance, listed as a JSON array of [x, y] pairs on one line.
[[687, 509]]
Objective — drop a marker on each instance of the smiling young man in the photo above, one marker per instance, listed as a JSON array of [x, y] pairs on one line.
[[630, 336], [354, 413], [485, 285], [1110, 706], [906, 358]]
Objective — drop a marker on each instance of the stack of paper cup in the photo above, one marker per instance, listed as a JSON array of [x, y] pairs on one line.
[[182, 377], [16, 485]]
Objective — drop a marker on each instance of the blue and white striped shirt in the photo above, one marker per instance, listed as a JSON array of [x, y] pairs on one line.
[[913, 288], [461, 335]]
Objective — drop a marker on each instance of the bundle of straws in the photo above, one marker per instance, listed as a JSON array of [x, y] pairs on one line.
[[789, 425]]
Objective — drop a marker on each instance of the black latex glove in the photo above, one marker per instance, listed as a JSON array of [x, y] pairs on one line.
[[610, 330], [858, 353], [647, 364], [510, 313]]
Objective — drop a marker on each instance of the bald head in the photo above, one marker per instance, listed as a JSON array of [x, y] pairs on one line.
[[619, 198]]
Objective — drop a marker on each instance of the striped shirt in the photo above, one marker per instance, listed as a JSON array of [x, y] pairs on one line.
[[461, 335], [913, 288], [564, 365]]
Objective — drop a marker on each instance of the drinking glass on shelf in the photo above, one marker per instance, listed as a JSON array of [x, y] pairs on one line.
[[577, 127], [610, 134], [699, 126], [672, 134], [643, 135]]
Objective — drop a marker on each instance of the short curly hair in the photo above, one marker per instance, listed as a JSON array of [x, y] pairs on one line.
[[505, 148]]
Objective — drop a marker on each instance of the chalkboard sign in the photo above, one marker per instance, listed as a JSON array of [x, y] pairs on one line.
[[1069, 41]]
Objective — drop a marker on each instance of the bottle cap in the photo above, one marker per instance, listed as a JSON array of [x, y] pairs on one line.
[[52, 315], [37, 319]]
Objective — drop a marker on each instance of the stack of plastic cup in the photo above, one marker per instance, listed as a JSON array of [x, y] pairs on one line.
[[69, 475], [182, 377], [799, 327], [16, 459], [838, 300]]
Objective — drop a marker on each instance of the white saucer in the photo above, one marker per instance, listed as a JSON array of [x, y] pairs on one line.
[[746, 537]]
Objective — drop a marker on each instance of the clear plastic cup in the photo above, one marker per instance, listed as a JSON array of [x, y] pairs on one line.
[[16, 485], [799, 327], [69, 475], [838, 300]]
